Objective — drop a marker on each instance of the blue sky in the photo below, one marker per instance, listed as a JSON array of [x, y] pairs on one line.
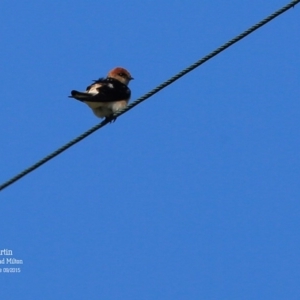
[[194, 194]]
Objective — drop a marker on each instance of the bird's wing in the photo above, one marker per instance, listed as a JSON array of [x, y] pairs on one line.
[[108, 90], [93, 88]]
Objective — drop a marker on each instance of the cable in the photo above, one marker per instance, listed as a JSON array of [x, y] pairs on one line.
[[151, 93]]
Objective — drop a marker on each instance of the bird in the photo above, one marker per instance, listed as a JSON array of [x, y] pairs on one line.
[[106, 96]]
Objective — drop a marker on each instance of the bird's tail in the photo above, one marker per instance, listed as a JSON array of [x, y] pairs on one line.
[[80, 95]]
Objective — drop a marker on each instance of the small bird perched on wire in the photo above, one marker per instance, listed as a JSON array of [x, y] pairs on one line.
[[107, 95]]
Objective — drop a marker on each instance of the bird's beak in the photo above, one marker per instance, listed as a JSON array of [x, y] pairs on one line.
[[131, 78]]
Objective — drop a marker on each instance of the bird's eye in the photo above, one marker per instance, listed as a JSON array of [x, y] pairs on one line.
[[122, 74]]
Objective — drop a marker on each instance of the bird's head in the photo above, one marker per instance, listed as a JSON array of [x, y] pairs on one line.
[[120, 74]]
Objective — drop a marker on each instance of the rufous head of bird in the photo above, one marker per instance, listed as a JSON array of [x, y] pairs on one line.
[[120, 74]]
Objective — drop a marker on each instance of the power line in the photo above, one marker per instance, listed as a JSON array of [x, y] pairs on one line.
[[151, 93]]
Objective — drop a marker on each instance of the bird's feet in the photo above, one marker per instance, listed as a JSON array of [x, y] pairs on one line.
[[111, 119]]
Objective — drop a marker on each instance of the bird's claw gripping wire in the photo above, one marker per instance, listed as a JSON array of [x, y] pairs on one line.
[[111, 119]]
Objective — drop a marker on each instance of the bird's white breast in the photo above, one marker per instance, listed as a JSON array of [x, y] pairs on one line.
[[106, 109]]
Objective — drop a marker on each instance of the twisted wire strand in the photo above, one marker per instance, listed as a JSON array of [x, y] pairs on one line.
[[151, 93]]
